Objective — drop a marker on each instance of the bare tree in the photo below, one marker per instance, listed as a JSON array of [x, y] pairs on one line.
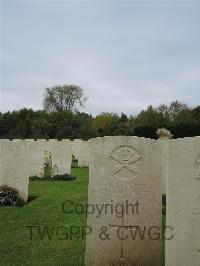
[[65, 97]]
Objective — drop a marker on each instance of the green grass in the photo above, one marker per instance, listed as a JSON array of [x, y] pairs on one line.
[[45, 210], [16, 248]]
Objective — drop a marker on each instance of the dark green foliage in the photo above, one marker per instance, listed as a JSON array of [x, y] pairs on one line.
[[180, 119], [65, 177], [10, 197]]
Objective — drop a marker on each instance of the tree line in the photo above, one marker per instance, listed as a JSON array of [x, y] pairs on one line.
[[179, 118]]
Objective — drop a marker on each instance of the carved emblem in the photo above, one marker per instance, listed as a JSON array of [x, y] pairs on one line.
[[197, 167], [125, 156]]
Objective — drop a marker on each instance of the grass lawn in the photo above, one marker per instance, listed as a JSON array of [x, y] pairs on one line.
[[45, 212]]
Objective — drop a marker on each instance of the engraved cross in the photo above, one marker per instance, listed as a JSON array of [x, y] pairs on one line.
[[121, 229]]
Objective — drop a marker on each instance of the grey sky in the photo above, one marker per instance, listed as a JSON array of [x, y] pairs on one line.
[[126, 55]]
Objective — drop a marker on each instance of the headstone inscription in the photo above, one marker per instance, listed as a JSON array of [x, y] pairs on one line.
[[125, 183]]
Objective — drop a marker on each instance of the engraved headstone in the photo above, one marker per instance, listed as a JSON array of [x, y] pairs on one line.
[[183, 203], [125, 183]]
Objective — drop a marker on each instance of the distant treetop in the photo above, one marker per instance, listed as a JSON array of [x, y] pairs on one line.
[[65, 97]]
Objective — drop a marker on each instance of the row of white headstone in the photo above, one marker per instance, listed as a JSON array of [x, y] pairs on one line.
[[126, 171], [20, 159], [80, 150]]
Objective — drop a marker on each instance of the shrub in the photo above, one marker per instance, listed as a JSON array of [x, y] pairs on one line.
[[164, 133], [9, 196], [65, 177]]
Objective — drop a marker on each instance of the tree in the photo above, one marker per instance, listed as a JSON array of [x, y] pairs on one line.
[[66, 97], [107, 123], [173, 111], [181, 120], [149, 117]]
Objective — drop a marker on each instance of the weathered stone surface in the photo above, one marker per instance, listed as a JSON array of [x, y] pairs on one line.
[[38, 148], [15, 158], [124, 170], [165, 145], [80, 150], [61, 155], [183, 202]]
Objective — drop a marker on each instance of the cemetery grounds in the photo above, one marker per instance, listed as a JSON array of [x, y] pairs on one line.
[[38, 233]]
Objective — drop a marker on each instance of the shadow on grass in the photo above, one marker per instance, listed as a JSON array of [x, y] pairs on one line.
[[31, 198]]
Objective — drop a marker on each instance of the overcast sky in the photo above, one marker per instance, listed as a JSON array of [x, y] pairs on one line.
[[125, 55]]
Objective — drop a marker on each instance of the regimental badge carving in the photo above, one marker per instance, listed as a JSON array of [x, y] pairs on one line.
[[197, 168], [125, 157]]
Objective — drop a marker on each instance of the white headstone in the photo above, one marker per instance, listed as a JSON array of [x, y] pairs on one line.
[[124, 171], [183, 203], [61, 155], [165, 144], [15, 159], [38, 148], [80, 150]]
